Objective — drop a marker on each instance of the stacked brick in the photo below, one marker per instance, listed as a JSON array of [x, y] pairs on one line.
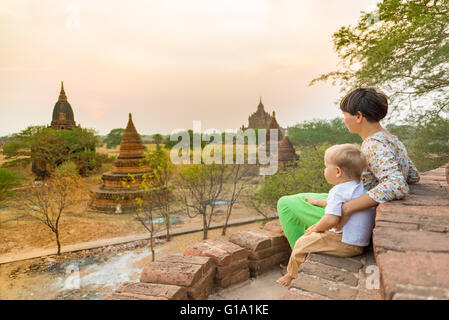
[[195, 274], [207, 265], [231, 260], [147, 291], [266, 249]]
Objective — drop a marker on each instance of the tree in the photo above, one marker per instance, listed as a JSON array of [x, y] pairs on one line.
[[426, 144], [308, 176], [158, 180], [238, 173], [317, 132], [200, 186], [8, 181], [48, 201], [47, 148], [401, 48], [113, 138], [158, 138], [145, 215]]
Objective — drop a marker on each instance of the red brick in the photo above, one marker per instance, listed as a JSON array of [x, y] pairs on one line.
[[398, 225], [276, 239], [206, 262], [165, 291], [259, 266], [203, 288], [295, 294], [265, 253], [329, 273], [179, 274], [236, 277], [394, 207], [253, 241], [127, 296], [350, 265], [435, 222], [222, 252], [324, 287], [417, 273], [237, 266], [274, 226], [406, 240]]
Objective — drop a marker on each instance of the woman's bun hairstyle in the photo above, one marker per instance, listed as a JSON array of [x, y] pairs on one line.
[[372, 104]]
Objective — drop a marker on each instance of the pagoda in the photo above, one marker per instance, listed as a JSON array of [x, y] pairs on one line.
[[63, 118], [121, 186], [286, 152]]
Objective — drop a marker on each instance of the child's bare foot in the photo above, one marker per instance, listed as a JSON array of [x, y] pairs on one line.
[[285, 281]]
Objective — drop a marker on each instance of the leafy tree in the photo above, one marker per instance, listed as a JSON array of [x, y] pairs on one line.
[[308, 176], [169, 144], [158, 139], [47, 148], [403, 49], [427, 145], [8, 181], [158, 180], [113, 138], [317, 132]]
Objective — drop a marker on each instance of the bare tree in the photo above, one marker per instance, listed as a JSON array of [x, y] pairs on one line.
[[200, 186], [145, 215], [238, 173], [48, 201]]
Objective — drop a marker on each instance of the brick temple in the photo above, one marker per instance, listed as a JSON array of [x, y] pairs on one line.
[[121, 186], [63, 118], [259, 119]]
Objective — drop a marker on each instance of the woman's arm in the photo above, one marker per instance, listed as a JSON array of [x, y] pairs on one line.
[[355, 205]]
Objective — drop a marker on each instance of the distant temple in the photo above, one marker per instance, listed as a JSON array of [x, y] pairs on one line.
[[121, 186], [259, 119], [286, 152], [63, 118], [272, 125]]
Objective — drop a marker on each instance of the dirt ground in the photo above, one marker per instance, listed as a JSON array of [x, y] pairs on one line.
[[36, 279], [20, 232]]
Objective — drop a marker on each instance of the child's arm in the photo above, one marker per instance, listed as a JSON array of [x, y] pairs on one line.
[[317, 202], [328, 221]]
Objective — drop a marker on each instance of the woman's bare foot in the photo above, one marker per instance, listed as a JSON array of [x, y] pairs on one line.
[[285, 281]]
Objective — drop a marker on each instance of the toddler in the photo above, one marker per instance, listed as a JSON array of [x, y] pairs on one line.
[[344, 166]]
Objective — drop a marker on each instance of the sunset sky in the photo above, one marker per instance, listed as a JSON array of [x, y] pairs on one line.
[[169, 62]]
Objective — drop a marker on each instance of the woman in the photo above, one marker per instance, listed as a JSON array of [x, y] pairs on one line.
[[389, 171]]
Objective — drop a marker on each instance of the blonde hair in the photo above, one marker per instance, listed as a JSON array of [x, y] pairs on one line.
[[348, 157]]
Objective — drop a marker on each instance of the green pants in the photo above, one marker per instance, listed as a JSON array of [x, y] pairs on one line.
[[296, 214]]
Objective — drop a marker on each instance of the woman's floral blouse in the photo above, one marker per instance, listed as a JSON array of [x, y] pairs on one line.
[[390, 170]]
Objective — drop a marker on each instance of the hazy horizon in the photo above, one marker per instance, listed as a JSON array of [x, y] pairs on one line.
[[169, 63]]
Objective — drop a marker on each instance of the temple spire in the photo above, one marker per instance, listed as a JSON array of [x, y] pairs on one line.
[[62, 96]]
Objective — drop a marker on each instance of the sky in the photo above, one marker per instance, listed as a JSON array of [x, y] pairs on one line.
[[169, 62]]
